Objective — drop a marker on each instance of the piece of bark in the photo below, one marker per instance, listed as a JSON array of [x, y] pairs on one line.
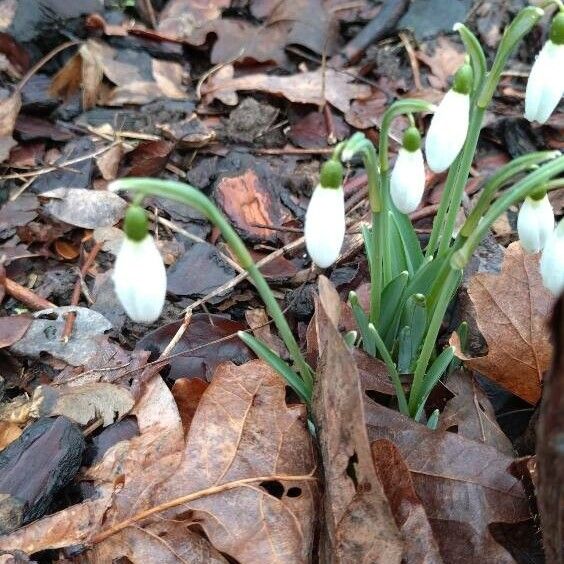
[[37, 465], [550, 447]]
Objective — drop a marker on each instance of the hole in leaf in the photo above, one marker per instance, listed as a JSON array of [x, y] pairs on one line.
[[273, 487], [482, 407], [453, 429], [294, 492], [351, 470]]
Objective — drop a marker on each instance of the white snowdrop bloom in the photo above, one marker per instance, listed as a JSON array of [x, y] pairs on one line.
[[552, 261], [545, 86], [325, 225], [407, 182], [139, 272], [325, 217], [535, 223], [449, 124]]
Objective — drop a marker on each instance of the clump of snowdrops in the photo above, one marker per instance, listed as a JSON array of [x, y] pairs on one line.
[[411, 287]]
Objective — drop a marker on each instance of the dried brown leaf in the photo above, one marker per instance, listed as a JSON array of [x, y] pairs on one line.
[[13, 328], [187, 394], [409, 513], [9, 109], [465, 486], [314, 87], [512, 310], [359, 525], [9, 432], [82, 404]]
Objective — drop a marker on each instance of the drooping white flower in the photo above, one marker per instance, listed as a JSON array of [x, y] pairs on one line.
[[449, 124], [407, 182], [552, 261], [535, 223], [545, 86], [139, 272], [325, 225]]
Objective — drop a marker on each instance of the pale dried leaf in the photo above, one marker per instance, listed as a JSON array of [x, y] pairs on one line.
[[92, 74], [512, 311], [82, 404], [9, 432], [9, 109], [85, 208]]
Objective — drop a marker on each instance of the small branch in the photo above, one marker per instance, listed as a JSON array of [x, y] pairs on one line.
[[26, 296], [103, 535]]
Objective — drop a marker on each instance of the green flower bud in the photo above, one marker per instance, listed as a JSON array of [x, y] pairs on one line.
[[538, 194], [331, 174], [557, 29], [135, 224], [463, 79], [411, 139]]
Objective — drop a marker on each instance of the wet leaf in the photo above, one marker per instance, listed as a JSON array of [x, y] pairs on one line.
[[85, 208], [13, 328], [311, 131], [409, 513], [465, 486], [470, 413], [83, 404], [147, 159], [66, 250], [44, 335], [18, 212], [512, 310], [359, 526], [206, 343], [304, 88]]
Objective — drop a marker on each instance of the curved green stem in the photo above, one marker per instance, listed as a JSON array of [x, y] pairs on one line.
[[190, 196], [497, 180], [476, 53], [525, 186]]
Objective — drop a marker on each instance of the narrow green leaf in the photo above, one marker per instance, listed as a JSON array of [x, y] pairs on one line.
[[362, 324], [391, 300], [405, 351], [412, 247], [269, 356], [433, 420], [350, 338]]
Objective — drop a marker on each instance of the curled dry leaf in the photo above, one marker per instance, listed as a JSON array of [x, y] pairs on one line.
[[465, 486], [512, 310], [314, 87], [359, 526], [85, 208], [82, 404]]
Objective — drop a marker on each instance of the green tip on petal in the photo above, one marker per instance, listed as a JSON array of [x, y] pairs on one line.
[[557, 29], [331, 174], [463, 79], [411, 139], [135, 225], [538, 194]]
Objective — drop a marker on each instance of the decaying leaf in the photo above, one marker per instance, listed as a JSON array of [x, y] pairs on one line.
[[82, 404], [359, 526], [465, 486], [85, 208], [512, 310], [9, 108], [242, 429], [409, 513], [314, 87], [470, 413], [45, 335], [9, 432], [13, 328]]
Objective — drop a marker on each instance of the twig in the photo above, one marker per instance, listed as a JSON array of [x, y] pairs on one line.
[[177, 336], [413, 61], [151, 13], [26, 296], [71, 315], [375, 29], [103, 535]]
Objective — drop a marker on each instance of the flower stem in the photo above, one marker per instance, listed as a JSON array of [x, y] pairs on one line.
[[190, 196]]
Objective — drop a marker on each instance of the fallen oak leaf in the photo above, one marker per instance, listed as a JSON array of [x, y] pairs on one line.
[[512, 310], [314, 87]]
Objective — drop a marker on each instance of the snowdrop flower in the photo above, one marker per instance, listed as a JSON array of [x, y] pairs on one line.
[[545, 86], [535, 222], [325, 216], [449, 124], [408, 176], [552, 261], [139, 273]]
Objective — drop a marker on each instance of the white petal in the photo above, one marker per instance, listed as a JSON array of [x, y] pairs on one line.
[[545, 86], [552, 262], [325, 225], [535, 223], [140, 279], [447, 131], [407, 182]]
